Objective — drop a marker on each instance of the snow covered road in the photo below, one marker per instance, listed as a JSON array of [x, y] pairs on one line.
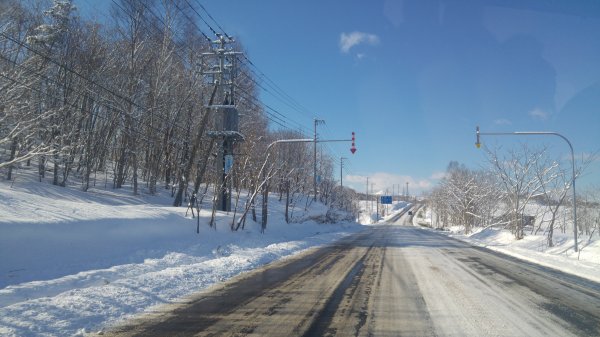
[[387, 281]]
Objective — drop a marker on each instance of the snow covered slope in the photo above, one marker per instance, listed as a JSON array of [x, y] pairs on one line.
[[74, 262]]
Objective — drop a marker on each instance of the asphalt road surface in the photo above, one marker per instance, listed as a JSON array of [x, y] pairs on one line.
[[390, 280]]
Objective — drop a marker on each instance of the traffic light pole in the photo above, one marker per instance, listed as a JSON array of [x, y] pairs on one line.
[[300, 140]]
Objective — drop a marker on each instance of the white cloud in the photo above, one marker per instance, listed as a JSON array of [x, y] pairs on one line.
[[347, 41], [384, 180], [502, 121], [438, 175], [538, 113]]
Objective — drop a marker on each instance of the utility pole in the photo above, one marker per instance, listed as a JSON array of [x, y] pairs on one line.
[[372, 184], [220, 65], [377, 213], [341, 181], [367, 191], [386, 207], [341, 172], [317, 121], [407, 191]]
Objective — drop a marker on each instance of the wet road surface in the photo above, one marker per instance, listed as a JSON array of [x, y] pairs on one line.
[[389, 280]]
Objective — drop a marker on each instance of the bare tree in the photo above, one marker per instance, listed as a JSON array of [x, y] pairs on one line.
[[20, 122], [516, 173], [84, 96], [554, 183]]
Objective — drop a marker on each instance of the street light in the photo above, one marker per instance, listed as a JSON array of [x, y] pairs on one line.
[[520, 133], [262, 174]]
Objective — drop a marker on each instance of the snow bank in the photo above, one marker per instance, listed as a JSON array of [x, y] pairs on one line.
[[534, 248]]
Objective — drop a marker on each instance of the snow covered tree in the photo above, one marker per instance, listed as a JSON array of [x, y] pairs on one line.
[[465, 197], [19, 120], [54, 48], [517, 176]]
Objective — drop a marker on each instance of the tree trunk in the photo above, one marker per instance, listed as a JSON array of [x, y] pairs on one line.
[[265, 201], [287, 201], [550, 233], [120, 177], [55, 170], [200, 174], [135, 174], [188, 167], [13, 153], [42, 167]]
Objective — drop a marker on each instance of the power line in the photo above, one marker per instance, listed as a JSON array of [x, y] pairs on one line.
[[272, 116], [193, 23], [273, 109], [80, 93], [73, 105], [70, 70], [198, 28], [280, 97], [275, 113], [201, 18], [213, 19], [291, 102], [297, 106]]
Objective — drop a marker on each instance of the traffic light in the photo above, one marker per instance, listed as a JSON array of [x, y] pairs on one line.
[[478, 144]]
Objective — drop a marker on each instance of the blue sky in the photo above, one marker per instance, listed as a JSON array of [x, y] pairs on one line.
[[413, 78]]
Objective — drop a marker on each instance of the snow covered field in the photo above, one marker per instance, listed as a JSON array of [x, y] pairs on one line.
[[73, 262]]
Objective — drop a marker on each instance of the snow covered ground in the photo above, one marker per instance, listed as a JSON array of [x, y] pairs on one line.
[[368, 214], [72, 263], [534, 248]]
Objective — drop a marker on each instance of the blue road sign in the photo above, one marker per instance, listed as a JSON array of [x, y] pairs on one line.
[[386, 199]]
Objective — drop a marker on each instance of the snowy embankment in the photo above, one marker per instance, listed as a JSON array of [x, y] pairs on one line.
[[74, 262], [533, 248], [369, 216]]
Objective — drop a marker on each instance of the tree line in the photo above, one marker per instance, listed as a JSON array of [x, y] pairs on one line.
[[522, 189], [125, 97]]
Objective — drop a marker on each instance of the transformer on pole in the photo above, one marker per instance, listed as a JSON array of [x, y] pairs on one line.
[[219, 67]]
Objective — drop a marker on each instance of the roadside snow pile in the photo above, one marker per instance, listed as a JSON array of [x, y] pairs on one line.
[[534, 248], [74, 262]]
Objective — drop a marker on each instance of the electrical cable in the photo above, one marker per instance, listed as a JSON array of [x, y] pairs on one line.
[[294, 104]]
